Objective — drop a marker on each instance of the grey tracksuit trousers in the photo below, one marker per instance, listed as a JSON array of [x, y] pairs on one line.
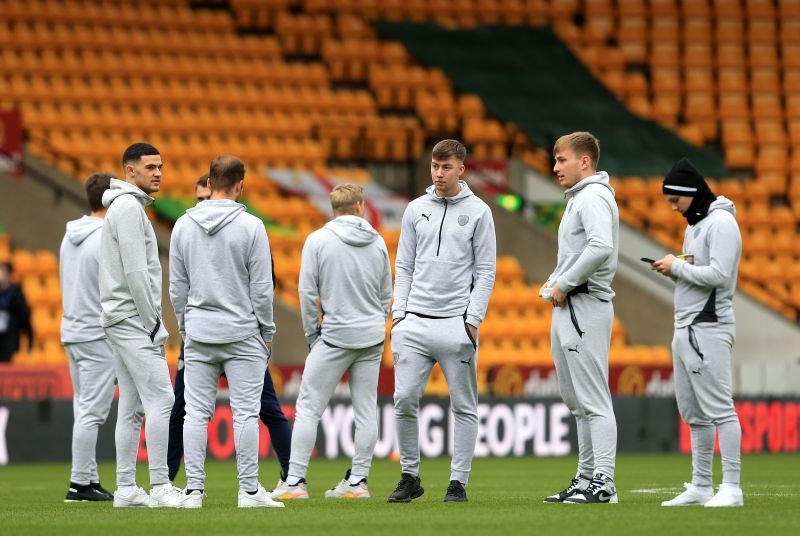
[[581, 359], [417, 344], [91, 366], [145, 389], [244, 364], [324, 368], [701, 356]]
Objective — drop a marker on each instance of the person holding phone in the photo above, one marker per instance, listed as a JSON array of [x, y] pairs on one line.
[[705, 329]]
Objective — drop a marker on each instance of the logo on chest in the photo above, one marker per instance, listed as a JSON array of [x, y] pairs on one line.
[[463, 219], [426, 216]]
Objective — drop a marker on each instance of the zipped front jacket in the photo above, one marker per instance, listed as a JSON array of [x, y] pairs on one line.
[[446, 258]]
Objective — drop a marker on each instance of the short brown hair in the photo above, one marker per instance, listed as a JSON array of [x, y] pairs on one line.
[[226, 170], [202, 182], [581, 143], [345, 196], [447, 148], [96, 185]]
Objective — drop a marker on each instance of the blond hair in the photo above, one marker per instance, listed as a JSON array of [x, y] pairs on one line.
[[447, 148], [345, 196], [581, 143]]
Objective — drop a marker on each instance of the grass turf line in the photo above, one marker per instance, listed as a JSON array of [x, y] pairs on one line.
[[505, 498]]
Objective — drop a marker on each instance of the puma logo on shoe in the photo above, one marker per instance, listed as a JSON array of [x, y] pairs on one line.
[[426, 216], [573, 349]]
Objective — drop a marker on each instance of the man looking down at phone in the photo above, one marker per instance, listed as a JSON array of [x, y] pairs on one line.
[[705, 328]]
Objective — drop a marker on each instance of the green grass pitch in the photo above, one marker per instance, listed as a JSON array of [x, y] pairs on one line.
[[505, 499]]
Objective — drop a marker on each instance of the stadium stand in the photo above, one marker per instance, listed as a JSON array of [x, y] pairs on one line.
[[309, 83]]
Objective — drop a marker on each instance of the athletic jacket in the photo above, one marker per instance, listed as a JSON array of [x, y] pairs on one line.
[[447, 257], [704, 290], [346, 266], [79, 268], [130, 271], [220, 274], [588, 238]]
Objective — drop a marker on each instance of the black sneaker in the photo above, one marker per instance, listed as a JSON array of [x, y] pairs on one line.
[[455, 492], [408, 489], [78, 493], [96, 486], [600, 491], [578, 484]]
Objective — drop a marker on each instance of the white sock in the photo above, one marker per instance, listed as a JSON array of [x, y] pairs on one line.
[[293, 480], [355, 479]]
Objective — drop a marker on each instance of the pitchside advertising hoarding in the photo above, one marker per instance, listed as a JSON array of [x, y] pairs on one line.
[[35, 431], [11, 142]]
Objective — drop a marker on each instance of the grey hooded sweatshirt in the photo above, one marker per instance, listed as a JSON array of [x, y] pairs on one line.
[[130, 272], [346, 266], [220, 274], [79, 265], [447, 257], [588, 238], [704, 290]]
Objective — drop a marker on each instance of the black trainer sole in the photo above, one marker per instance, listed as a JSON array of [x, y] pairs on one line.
[[415, 495], [455, 499], [81, 497]]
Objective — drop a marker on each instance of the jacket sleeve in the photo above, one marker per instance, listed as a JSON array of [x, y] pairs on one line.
[[386, 283], [596, 216], [262, 290], [129, 225], [308, 289], [484, 249], [725, 243], [178, 279], [404, 264]]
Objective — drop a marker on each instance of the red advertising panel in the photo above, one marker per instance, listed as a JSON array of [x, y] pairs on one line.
[[767, 426], [11, 142]]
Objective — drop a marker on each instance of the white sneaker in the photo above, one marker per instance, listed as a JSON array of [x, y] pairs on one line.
[[261, 499], [192, 500], [166, 497], [284, 491], [346, 490], [693, 496], [728, 495], [138, 498]]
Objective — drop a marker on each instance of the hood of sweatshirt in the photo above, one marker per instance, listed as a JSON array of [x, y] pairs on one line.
[[601, 177], [80, 230], [119, 188], [464, 193], [213, 215], [723, 203], [352, 230]]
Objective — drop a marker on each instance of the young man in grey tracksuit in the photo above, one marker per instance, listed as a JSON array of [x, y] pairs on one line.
[[346, 267], [705, 328], [580, 337], [130, 295], [221, 290], [444, 274], [91, 363]]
